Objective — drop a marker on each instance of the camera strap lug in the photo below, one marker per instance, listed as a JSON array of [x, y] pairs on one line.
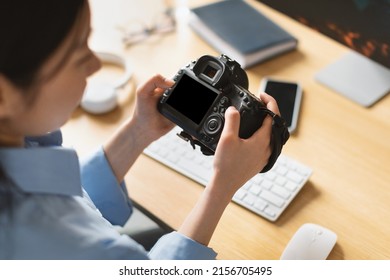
[[187, 137]]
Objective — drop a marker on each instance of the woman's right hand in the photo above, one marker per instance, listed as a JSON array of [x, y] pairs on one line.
[[236, 159]]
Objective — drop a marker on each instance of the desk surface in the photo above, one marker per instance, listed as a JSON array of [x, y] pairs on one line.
[[347, 145]]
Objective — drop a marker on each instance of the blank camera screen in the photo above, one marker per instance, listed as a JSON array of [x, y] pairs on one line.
[[284, 94], [191, 99]]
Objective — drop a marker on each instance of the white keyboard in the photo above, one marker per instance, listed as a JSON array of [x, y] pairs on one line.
[[266, 194]]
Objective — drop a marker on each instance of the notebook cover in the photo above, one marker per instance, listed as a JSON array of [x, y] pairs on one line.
[[242, 26]]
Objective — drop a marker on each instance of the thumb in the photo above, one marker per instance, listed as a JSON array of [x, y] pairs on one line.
[[232, 122]]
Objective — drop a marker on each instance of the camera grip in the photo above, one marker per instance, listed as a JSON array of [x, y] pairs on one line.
[[279, 137]]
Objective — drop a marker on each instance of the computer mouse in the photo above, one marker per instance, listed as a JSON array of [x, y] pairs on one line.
[[310, 242]]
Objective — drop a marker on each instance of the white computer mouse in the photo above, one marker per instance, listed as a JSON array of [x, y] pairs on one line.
[[310, 242]]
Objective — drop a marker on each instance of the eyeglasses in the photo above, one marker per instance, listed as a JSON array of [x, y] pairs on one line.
[[136, 31]]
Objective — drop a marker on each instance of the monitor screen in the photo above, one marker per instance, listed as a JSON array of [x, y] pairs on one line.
[[362, 25], [363, 74]]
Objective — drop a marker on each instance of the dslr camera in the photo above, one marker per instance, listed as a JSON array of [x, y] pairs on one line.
[[202, 92]]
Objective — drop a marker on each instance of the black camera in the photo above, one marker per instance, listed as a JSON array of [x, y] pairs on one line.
[[204, 89]]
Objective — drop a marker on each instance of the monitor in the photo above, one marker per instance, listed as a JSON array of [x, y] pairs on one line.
[[363, 74]]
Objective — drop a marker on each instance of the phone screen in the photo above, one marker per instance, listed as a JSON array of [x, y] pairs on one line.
[[285, 95]]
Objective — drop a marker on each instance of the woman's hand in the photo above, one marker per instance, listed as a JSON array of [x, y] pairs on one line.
[[236, 159], [146, 125], [146, 116]]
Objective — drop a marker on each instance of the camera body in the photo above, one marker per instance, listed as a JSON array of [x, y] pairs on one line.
[[204, 89]]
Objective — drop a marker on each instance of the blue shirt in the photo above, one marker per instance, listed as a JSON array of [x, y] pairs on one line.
[[53, 217]]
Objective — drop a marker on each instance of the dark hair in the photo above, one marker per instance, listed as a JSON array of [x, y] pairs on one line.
[[30, 32]]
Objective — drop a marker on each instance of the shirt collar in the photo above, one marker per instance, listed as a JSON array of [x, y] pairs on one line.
[[51, 170]]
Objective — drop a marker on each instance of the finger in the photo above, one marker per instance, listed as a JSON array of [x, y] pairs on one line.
[[266, 127], [232, 122], [270, 102], [157, 81]]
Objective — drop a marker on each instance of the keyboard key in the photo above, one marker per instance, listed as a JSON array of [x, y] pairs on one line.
[[272, 198], [270, 175], [267, 184], [282, 192], [240, 194], [294, 176], [281, 170], [292, 186], [281, 181], [255, 189], [249, 199], [270, 212], [260, 204]]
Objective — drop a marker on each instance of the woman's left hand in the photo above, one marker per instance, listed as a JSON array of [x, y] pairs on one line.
[[146, 115], [146, 125]]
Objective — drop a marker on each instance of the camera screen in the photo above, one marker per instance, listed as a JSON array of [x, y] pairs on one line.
[[191, 98]]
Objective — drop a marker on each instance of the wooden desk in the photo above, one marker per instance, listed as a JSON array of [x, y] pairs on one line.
[[347, 146]]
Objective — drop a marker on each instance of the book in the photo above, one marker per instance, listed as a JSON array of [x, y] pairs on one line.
[[235, 28]]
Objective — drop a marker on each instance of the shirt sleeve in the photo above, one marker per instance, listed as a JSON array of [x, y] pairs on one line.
[[109, 196], [175, 246]]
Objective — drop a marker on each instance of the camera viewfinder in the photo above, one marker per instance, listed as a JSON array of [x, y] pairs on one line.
[[210, 71]]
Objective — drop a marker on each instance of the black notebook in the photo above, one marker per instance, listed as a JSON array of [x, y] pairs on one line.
[[235, 28]]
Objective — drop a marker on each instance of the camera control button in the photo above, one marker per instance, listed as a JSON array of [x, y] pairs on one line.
[[224, 100], [213, 125], [205, 138], [176, 78]]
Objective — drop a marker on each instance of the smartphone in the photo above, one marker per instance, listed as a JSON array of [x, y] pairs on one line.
[[288, 95]]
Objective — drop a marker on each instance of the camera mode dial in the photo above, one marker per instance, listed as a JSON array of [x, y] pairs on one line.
[[178, 75]]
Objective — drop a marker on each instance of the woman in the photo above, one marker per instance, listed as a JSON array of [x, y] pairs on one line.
[[44, 211]]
